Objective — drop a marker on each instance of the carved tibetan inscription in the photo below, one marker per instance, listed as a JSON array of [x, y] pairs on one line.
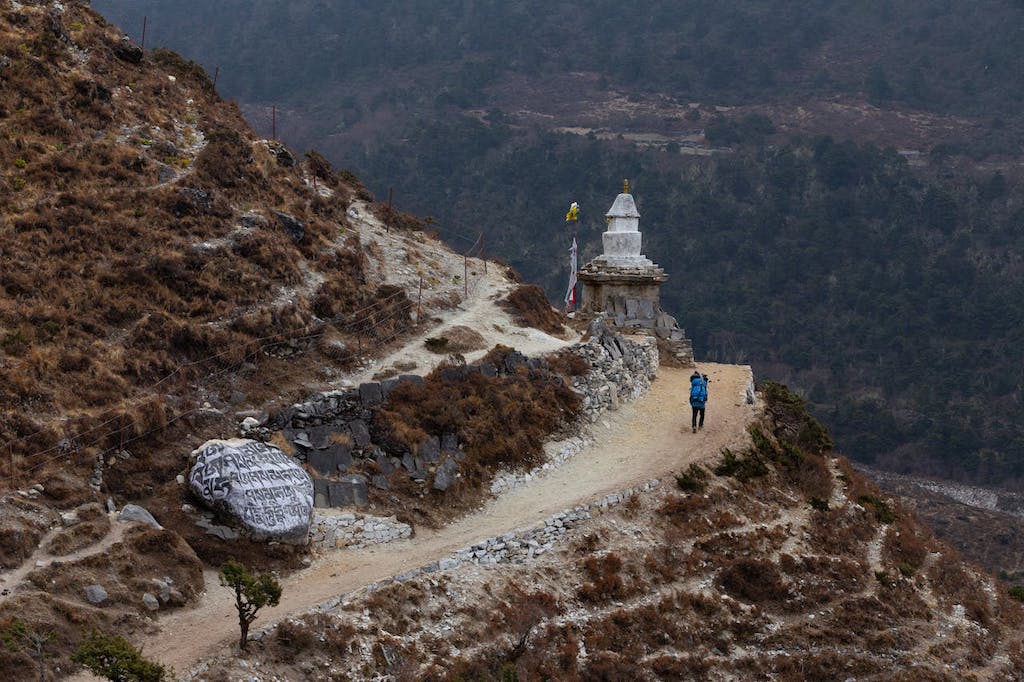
[[264, 489]]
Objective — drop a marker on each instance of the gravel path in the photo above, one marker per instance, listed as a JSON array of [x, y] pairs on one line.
[[643, 440]]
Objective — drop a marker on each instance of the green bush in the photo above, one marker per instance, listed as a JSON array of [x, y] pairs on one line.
[[115, 658], [741, 467], [881, 508], [252, 593], [693, 480]]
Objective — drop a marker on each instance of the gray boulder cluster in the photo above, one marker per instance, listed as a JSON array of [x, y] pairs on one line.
[[620, 369], [333, 433]]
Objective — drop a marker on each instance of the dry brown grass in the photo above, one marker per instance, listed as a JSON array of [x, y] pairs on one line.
[[103, 285], [530, 308]]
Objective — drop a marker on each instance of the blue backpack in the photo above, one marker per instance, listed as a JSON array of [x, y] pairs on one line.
[[698, 392]]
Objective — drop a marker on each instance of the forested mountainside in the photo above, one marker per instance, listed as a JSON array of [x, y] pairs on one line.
[[761, 142]]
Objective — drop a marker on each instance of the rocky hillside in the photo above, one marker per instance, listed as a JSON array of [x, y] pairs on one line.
[[778, 562]]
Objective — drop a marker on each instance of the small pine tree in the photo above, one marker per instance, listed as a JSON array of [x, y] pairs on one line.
[[115, 658], [252, 592], [17, 636]]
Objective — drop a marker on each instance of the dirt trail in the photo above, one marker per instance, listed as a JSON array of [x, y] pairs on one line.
[[647, 439], [14, 578]]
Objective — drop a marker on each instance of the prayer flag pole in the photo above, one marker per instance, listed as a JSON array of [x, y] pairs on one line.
[[570, 295]]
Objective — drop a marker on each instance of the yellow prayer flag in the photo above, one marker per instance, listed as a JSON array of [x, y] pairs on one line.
[[574, 212]]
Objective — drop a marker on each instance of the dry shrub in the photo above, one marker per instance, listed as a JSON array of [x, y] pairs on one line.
[[840, 531], [462, 339], [603, 581], [907, 544], [311, 633], [530, 308], [791, 421], [225, 161], [955, 583], [681, 667], [823, 579], [605, 666], [501, 420], [827, 665], [519, 614], [754, 580], [568, 364]]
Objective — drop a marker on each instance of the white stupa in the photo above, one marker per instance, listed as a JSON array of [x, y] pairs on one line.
[[622, 241], [623, 286]]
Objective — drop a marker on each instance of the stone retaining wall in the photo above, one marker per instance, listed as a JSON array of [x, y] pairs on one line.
[[515, 547], [355, 531], [621, 368]]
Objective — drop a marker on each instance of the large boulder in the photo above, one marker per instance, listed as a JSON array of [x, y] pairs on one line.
[[269, 494]]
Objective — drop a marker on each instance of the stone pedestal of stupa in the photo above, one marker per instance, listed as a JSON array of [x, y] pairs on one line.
[[625, 286]]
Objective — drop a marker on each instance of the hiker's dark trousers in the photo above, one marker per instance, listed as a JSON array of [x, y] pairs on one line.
[[695, 422]]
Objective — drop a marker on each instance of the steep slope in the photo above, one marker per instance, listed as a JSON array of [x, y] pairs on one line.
[[158, 256], [648, 429]]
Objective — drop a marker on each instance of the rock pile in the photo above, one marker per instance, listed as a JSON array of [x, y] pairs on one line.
[[333, 433], [355, 531], [621, 368]]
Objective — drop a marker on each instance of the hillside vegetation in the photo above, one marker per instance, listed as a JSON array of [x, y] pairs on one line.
[[159, 261]]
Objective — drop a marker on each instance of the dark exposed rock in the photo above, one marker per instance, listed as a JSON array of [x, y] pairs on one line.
[[370, 393], [295, 228], [430, 450], [336, 458], [449, 442], [389, 385], [350, 490], [359, 432], [446, 474], [284, 157], [127, 50], [320, 498]]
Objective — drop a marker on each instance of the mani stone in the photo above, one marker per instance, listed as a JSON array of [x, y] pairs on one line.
[[266, 491]]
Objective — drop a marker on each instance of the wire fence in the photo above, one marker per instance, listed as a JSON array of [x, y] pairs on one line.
[[373, 326]]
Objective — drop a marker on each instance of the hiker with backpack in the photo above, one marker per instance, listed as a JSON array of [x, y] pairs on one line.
[[698, 397]]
